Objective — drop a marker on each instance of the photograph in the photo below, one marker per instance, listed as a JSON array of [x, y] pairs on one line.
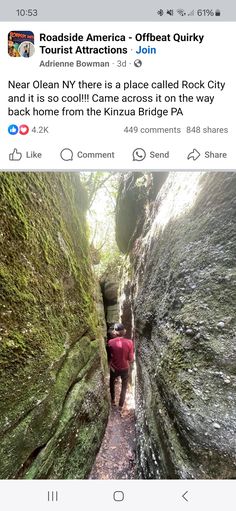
[[117, 324], [21, 44]]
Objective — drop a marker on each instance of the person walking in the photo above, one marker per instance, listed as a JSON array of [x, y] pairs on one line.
[[120, 356]]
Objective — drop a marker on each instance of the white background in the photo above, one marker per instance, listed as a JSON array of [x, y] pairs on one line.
[[211, 60], [138, 495]]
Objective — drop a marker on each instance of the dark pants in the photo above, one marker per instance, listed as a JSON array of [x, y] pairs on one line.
[[124, 374]]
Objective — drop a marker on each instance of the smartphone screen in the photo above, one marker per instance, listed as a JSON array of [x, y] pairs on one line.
[[117, 256]]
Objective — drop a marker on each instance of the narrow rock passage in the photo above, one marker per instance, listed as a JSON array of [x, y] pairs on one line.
[[116, 458]]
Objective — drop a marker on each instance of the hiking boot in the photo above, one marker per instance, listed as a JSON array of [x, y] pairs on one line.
[[121, 411]]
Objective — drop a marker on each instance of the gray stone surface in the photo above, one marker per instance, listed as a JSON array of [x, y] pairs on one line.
[[183, 300], [112, 314]]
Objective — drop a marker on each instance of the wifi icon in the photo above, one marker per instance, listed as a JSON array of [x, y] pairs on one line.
[[181, 12]]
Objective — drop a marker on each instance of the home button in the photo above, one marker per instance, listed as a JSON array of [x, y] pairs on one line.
[[118, 496]]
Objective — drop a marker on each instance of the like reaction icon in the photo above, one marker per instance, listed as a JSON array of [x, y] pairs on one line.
[[15, 155], [12, 129]]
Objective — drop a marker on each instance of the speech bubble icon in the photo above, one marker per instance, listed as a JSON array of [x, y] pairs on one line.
[[139, 154], [66, 154]]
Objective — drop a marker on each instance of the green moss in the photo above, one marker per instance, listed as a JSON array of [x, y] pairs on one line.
[[72, 449], [14, 286], [174, 365], [46, 305], [13, 198]]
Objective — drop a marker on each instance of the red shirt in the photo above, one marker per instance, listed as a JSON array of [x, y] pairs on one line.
[[121, 353]]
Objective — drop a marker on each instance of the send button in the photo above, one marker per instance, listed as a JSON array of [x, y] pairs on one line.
[[166, 155]]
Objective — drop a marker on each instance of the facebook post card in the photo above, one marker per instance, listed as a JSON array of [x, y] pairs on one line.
[[137, 94], [117, 258]]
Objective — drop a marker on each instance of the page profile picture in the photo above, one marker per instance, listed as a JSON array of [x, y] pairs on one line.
[[21, 44]]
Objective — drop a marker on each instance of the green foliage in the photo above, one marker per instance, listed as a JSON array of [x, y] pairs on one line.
[[102, 189], [95, 181]]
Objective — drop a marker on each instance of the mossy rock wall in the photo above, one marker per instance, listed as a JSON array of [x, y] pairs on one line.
[[54, 404], [184, 302]]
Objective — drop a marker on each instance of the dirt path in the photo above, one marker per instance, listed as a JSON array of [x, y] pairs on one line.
[[116, 458]]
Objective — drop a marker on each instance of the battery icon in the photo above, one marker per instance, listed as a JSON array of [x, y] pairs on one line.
[[217, 12]]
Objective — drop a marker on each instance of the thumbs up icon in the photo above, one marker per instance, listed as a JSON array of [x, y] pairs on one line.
[[15, 156]]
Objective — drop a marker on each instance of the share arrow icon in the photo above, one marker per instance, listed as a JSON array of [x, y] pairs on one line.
[[194, 155]]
